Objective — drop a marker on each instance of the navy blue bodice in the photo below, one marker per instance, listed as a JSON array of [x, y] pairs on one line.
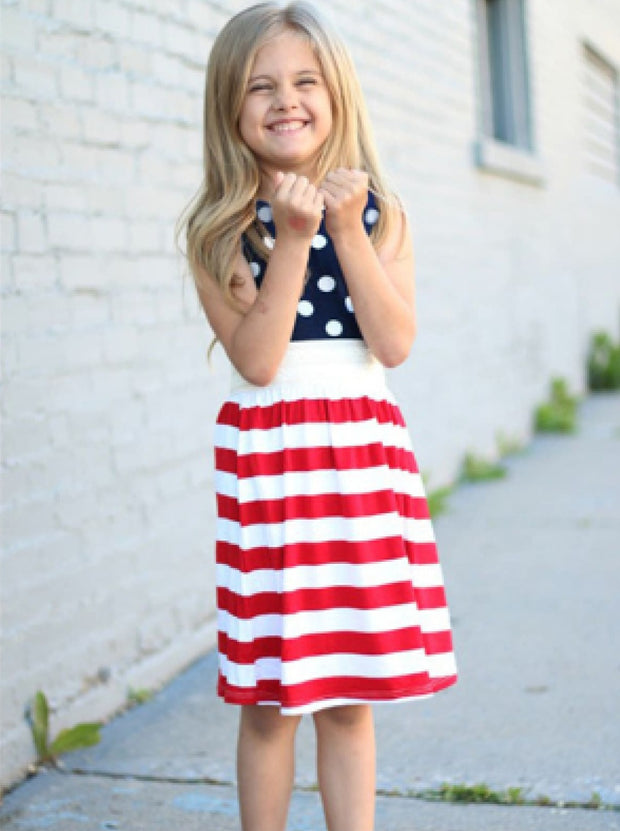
[[325, 310]]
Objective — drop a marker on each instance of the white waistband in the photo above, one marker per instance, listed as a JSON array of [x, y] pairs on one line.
[[343, 363]]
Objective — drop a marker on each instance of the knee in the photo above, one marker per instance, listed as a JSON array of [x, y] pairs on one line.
[[345, 717], [266, 722]]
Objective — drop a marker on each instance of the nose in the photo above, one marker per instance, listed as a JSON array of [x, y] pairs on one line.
[[285, 98]]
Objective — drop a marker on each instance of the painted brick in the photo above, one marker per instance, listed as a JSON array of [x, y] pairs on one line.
[[35, 79], [113, 19], [76, 84], [31, 232], [34, 273], [108, 397]]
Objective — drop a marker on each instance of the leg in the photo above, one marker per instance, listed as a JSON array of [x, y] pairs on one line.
[[265, 767], [346, 766]]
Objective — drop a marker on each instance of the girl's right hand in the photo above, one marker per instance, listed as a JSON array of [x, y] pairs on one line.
[[296, 207]]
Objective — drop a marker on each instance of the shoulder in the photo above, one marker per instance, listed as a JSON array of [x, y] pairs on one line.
[[396, 243]]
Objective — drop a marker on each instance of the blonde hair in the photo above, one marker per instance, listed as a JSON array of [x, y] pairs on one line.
[[224, 209]]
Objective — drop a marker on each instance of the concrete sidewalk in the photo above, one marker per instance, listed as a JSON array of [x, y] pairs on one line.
[[531, 566]]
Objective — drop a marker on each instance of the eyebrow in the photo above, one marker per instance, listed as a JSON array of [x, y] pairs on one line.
[[299, 72]]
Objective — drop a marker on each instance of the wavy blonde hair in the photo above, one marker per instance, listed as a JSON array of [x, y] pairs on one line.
[[224, 207]]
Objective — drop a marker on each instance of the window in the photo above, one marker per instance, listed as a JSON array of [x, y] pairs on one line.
[[506, 143], [507, 115], [601, 122]]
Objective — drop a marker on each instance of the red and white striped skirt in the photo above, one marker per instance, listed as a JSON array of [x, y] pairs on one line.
[[329, 589]]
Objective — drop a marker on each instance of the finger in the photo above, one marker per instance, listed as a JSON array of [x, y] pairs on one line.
[[287, 182]]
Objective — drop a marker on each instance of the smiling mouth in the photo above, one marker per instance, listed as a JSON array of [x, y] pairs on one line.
[[287, 126]]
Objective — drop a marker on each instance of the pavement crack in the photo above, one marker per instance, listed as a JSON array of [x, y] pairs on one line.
[[148, 777]]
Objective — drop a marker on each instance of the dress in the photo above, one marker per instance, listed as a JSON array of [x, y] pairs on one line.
[[329, 589]]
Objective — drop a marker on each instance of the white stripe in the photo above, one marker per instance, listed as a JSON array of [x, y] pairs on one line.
[[326, 575], [365, 621], [324, 529], [311, 434], [441, 665], [324, 703], [392, 664], [316, 482]]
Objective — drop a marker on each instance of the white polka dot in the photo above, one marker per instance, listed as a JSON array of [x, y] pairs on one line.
[[319, 241], [334, 328], [348, 303], [326, 283], [264, 213], [255, 268], [371, 215], [269, 242], [305, 308]]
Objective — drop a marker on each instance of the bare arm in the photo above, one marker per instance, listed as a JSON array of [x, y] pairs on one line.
[[381, 283], [256, 336]]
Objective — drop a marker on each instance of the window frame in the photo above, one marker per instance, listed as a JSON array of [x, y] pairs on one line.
[[517, 160]]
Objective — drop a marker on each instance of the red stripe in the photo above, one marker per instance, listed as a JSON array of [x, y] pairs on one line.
[[309, 410], [247, 607], [318, 506], [322, 553], [306, 459], [310, 692], [334, 643]]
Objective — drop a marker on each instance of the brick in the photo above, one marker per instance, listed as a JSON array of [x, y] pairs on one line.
[[145, 237], [34, 156], [18, 31], [97, 53], [8, 233], [134, 60], [19, 191], [34, 272], [31, 232], [38, 312], [112, 93], [76, 84], [108, 234], [78, 13], [70, 231], [135, 134], [112, 18], [62, 197], [182, 41], [145, 28], [19, 114], [7, 281], [80, 272], [35, 79]]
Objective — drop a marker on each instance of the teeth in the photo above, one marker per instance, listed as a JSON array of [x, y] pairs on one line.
[[287, 127]]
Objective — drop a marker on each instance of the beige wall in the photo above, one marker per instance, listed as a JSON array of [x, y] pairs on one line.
[[107, 400]]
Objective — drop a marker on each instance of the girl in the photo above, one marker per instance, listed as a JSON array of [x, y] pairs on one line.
[[329, 591]]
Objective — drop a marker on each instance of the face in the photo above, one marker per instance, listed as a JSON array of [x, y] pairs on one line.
[[286, 114]]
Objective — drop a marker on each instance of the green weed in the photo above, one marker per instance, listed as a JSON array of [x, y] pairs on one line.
[[559, 414], [138, 696], [480, 792], [72, 738], [603, 363], [478, 469], [438, 500], [508, 445]]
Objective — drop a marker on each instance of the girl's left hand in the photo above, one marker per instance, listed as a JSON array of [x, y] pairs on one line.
[[345, 193]]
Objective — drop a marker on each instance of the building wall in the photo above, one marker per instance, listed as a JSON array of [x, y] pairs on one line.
[[108, 401]]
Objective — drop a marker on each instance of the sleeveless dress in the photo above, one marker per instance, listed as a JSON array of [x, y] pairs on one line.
[[329, 588]]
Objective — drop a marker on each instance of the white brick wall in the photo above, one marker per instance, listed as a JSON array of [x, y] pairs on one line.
[[107, 400]]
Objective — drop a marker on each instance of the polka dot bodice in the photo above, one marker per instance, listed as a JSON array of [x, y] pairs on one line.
[[325, 310]]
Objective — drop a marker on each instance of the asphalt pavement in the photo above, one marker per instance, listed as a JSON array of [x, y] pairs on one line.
[[531, 564]]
